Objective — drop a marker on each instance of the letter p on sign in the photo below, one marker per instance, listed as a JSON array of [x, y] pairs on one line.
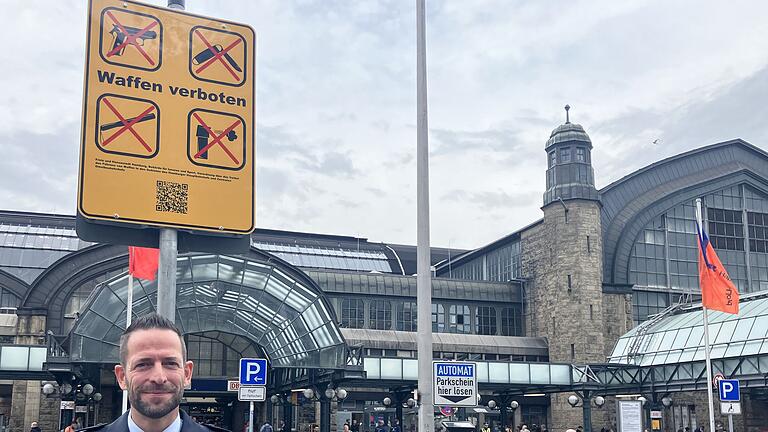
[[729, 390], [253, 372]]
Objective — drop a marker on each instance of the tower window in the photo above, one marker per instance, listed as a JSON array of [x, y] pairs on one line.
[[569, 283], [565, 155], [552, 159], [589, 246], [581, 154]]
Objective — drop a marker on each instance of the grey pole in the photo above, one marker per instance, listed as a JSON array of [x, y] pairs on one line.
[[169, 251], [166, 274], [250, 418], [586, 411], [423, 263]]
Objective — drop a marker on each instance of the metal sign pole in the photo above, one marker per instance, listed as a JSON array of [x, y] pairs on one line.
[[169, 252], [423, 264], [166, 274], [250, 418], [128, 315], [730, 422]]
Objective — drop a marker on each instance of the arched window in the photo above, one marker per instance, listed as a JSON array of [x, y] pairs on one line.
[[511, 322], [486, 320], [459, 319], [380, 315], [406, 316], [438, 318], [352, 311]]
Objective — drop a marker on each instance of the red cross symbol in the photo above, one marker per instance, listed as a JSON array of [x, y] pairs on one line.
[[131, 39], [127, 125], [216, 139], [217, 55]]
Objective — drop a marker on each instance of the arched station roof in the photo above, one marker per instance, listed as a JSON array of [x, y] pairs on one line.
[[265, 301], [630, 203], [13, 284]]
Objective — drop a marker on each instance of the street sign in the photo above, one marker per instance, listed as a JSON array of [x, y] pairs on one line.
[[253, 372], [730, 408], [656, 414], [716, 379], [455, 383], [729, 390], [168, 120], [252, 394], [233, 385]]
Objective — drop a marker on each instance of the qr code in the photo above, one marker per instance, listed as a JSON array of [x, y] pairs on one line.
[[172, 197]]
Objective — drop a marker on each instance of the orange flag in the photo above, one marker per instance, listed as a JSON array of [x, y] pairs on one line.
[[717, 289], [143, 262]]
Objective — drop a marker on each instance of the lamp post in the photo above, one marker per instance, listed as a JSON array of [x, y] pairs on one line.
[[514, 405], [666, 401], [586, 404], [403, 399], [284, 400], [329, 395]]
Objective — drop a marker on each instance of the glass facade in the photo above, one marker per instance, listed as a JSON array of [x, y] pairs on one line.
[[327, 257], [499, 265], [213, 357], [665, 255], [224, 295], [26, 251]]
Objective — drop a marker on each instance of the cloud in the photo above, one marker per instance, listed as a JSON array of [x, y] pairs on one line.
[[493, 200], [39, 170], [337, 103]]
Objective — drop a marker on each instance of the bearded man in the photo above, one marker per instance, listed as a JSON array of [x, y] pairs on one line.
[[154, 370]]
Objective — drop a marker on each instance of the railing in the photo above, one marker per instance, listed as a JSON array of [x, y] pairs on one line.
[[55, 344]]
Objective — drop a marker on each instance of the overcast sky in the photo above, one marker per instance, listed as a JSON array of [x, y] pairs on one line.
[[336, 123]]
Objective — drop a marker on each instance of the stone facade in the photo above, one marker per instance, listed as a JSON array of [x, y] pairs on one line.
[[562, 260], [27, 395]]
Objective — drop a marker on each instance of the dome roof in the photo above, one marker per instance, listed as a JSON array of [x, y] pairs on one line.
[[568, 132]]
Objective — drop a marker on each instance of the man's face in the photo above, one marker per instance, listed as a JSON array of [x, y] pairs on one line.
[[155, 373]]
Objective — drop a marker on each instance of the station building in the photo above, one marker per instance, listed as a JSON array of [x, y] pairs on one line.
[[332, 312]]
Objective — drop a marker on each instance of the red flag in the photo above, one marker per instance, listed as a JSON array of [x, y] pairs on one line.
[[143, 262], [717, 289]]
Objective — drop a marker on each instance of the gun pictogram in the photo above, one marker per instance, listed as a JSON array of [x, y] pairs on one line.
[[118, 38]]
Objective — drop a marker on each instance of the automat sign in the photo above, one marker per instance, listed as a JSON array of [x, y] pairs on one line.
[[168, 119], [455, 383]]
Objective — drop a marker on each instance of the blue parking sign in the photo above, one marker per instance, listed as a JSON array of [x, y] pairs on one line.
[[253, 372], [729, 390]]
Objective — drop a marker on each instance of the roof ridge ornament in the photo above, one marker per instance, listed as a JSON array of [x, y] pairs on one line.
[[567, 117]]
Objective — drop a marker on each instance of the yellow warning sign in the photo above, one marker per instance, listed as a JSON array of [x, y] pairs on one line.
[[153, 74]]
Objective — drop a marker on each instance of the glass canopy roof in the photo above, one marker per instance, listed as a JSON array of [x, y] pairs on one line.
[[680, 338], [303, 255], [27, 250], [286, 317]]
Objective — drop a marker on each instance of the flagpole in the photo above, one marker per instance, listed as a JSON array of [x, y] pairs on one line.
[[706, 329], [128, 313]]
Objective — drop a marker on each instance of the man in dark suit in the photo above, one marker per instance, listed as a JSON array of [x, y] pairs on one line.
[[154, 370]]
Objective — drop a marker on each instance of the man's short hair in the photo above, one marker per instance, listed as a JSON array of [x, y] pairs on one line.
[[149, 322]]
